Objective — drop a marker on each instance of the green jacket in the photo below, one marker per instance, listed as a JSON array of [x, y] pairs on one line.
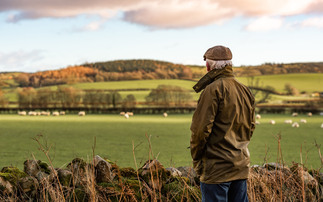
[[222, 126]]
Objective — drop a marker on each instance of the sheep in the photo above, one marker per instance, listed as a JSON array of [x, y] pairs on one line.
[[22, 113], [81, 113], [126, 116], [45, 113], [258, 116], [257, 122], [130, 113], [295, 125], [165, 114], [122, 113], [303, 121], [55, 113], [272, 122], [294, 114], [288, 121], [32, 113], [309, 114], [61, 113], [322, 125]]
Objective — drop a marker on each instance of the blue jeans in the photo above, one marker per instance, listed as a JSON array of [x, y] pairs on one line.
[[227, 192]]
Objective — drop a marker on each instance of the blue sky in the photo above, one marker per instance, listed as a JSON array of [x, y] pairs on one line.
[[38, 35]]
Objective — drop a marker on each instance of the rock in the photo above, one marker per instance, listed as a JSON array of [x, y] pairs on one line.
[[275, 166], [80, 169], [31, 167], [29, 185], [190, 174], [154, 173], [174, 172], [5, 186], [65, 177], [102, 170]]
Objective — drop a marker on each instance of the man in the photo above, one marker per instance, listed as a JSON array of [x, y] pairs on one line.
[[222, 126]]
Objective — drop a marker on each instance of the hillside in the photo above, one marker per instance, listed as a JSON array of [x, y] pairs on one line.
[[122, 70]]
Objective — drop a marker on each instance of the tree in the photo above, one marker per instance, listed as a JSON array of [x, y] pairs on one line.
[[129, 101], [27, 97], [116, 99], [167, 95], [22, 80], [291, 90], [3, 99]]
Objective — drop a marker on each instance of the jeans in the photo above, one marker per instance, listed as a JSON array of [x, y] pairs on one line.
[[234, 191]]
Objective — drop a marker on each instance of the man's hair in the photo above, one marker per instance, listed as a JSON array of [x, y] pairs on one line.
[[218, 64]]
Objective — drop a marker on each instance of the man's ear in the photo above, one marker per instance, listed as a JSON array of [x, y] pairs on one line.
[[208, 68]]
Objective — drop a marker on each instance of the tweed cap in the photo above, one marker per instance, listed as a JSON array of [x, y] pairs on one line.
[[218, 53]]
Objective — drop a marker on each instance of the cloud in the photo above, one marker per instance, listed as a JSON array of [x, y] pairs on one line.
[[159, 13], [265, 24], [313, 22], [19, 60]]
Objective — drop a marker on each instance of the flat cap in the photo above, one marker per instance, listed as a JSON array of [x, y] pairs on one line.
[[218, 53]]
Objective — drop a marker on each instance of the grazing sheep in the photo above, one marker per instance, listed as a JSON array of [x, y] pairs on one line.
[[130, 113], [165, 114], [82, 113], [257, 122], [32, 113], [55, 113], [122, 113], [309, 114], [294, 114], [258, 116], [45, 113], [22, 113], [322, 125], [288, 121], [61, 113], [126, 116], [303, 121], [272, 122], [295, 125]]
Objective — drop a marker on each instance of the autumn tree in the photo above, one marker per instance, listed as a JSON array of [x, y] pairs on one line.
[[129, 101], [167, 95], [3, 99]]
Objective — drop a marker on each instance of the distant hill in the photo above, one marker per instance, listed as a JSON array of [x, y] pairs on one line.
[[120, 70]]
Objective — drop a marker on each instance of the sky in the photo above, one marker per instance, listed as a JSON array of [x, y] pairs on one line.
[[39, 35]]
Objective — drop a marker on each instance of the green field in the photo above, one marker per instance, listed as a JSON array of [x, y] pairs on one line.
[[303, 82], [72, 136]]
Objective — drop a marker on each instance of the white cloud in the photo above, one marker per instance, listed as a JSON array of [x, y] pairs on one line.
[[160, 13], [265, 24], [313, 22], [19, 60]]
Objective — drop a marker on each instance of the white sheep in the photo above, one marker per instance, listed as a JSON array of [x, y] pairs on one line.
[[288, 121], [258, 116], [309, 114], [294, 114], [322, 125], [126, 115], [303, 121], [32, 113], [257, 122], [44, 113], [55, 113], [130, 113], [22, 113], [122, 113], [165, 114], [81, 113], [272, 122], [61, 113], [295, 125]]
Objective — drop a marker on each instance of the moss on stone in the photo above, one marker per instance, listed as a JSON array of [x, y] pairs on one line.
[[12, 174], [128, 172], [44, 167]]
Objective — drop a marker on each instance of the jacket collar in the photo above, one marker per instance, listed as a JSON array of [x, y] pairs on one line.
[[212, 76]]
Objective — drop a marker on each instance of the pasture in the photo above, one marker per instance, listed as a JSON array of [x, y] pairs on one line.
[[72, 136]]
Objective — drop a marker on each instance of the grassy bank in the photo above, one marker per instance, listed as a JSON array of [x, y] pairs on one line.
[[72, 136]]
